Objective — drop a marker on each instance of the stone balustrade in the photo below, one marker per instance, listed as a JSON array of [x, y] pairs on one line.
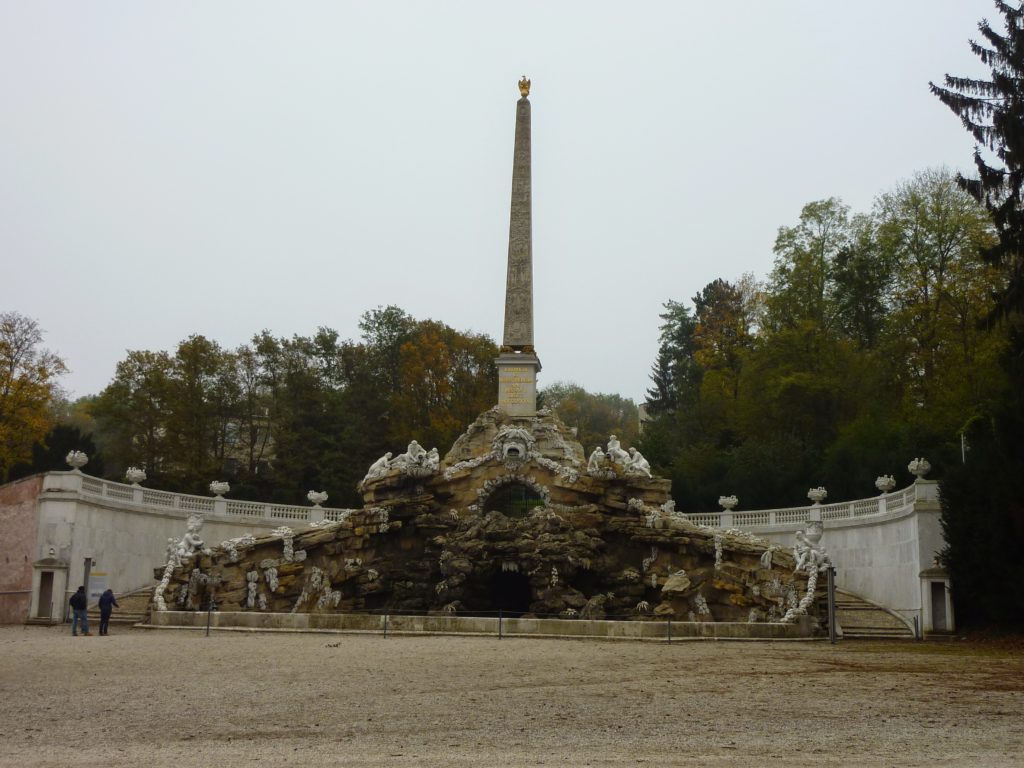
[[873, 509], [182, 504]]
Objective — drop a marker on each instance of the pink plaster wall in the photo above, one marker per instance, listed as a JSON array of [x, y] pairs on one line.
[[18, 535]]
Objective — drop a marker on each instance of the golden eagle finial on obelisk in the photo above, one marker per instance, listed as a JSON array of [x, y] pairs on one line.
[[524, 87]]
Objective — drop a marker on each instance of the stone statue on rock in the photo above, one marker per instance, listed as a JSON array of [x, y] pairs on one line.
[[379, 468], [809, 553], [190, 542], [414, 456], [637, 464], [811, 558], [632, 462], [416, 461], [432, 460], [615, 452]]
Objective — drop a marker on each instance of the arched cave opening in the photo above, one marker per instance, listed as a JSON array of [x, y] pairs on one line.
[[513, 500], [510, 592]]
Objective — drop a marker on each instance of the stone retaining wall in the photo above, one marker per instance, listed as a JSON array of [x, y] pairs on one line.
[[483, 626], [18, 523]]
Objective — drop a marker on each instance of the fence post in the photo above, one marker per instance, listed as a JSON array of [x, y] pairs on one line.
[[385, 626], [499, 624], [670, 630]]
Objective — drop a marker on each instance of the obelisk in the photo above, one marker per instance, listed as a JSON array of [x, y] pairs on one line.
[[518, 363]]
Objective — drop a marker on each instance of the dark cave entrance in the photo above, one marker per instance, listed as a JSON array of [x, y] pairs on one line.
[[510, 593], [513, 500]]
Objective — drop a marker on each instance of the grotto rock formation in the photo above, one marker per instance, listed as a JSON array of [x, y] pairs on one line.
[[515, 519]]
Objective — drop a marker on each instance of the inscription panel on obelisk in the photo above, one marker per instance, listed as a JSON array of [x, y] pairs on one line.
[[517, 385]]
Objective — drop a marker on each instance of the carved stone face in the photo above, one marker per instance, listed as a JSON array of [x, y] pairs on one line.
[[514, 452], [513, 445]]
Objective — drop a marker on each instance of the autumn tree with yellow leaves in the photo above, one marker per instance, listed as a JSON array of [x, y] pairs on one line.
[[28, 388]]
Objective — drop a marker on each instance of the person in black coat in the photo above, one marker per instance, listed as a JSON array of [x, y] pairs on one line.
[[107, 604], [79, 602]]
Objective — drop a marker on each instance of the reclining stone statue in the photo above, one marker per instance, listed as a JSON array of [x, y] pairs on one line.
[[379, 468], [414, 456], [415, 461]]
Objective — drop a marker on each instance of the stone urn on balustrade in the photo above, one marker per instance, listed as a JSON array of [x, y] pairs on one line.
[[218, 488], [76, 460], [885, 483], [919, 468], [817, 495], [134, 475]]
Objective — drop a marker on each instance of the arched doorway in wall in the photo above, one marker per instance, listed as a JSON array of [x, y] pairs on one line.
[[510, 593], [513, 500]]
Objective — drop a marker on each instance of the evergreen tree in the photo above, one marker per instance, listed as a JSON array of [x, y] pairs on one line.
[[675, 374], [992, 111], [982, 503]]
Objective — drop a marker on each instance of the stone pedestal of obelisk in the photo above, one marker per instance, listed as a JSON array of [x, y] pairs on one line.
[[518, 364]]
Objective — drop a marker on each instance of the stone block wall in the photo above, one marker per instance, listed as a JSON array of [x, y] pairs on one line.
[[18, 507]]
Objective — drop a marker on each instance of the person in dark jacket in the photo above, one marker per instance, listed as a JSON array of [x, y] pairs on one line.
[[79, 602], [107, 604]]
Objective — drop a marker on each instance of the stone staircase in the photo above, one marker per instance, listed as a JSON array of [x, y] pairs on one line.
[[860, 619], [133, 608]]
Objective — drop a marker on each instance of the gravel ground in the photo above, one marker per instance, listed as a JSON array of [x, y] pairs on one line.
[[178, 698]]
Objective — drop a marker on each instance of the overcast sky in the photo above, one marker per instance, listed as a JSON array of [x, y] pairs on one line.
[[225, 167]]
